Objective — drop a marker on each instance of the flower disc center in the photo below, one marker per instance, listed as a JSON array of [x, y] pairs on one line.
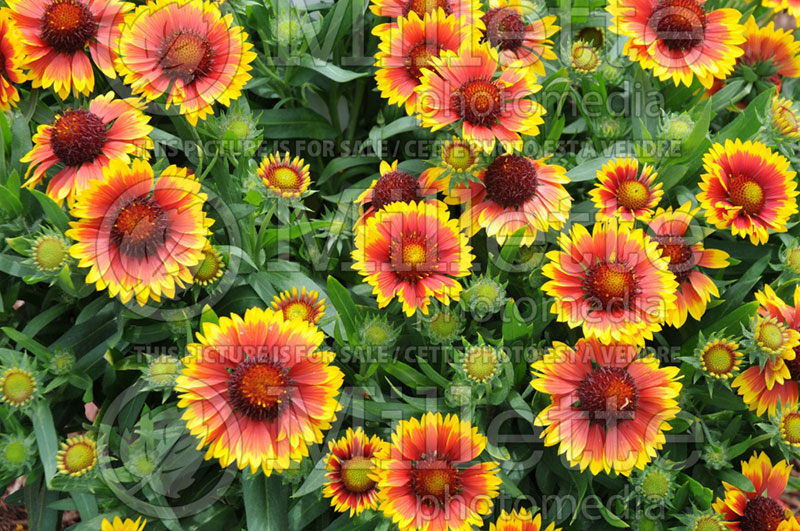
[[504, 28], [419, 56], [434, 479], [611, 284], [297, 310], [18, 387], [481, 363], [478, 102], [259, 387], [414, 253], [420, 7], [458, 156], [186, 55], [681, 258], [511, 181], [355, 474], [680, 24], [719, 360], [632, 195], [747, 193], [77, 137], [68, 25], [286, 179], [394, 186], [770, 335], [79, 456], [607, 392], [50, 253], [790, 428], [762, 514], [140, 228]]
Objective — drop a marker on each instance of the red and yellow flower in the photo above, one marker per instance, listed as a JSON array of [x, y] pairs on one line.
[[792, 6], [257, 390], [425, 480], [140, 235], [515, 192], [470, 10], [695, 289], [609, 407], [516, 41], [462, 87], [623, 192], [83, 141], [11, 61], [456, 162], [776, 47], [748, 188], [522, 520], [284, 177], [785, 117], [351, 471], [55, 35], [412, 251], [760, 508], [679, 39], [394, 185], [305, 305], [187, 50], [408, 46], [613, 282]]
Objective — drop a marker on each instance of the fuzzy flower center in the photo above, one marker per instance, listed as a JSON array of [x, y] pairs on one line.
[[719, 359], [505, 29], [480, 363], [747, 193], [355, 474], [708, 523], [458, 156], [186, 55], [608, 393], [163, 370], [680, 24], [511, 180], [77, 137], [50, 253], [632, 195], [419, 56], [478, 102], [140, 228], [285, 179], [790, 428], [681, 258], [420, 7], [655, 485], [18, 387], [770, 335], [611, 284], [258, 388], [297, 310], [413, 253], [376, 334], [434, 480], [78, 457], [444, 324], [68, 25], [209, 267], [762, 514], [394, 186], [15, 453]]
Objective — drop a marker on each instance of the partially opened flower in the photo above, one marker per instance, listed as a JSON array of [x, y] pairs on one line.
[[679, 39], [770, 51], [624, 192], [284, 177], [522, 520], [81, 142], [426, 480], [77, 456], [186, 49], [609, 406], [11, 61], [518, 41], [140, 235], [55, 37], [412, 251], [19, 385], [350, 482], [258, 390], [584, 58], [785, 118], [613, 282], [210, 268], [118, 524], [455, 163], [470, 10], [748, 188], [304, 305], [719, 357]]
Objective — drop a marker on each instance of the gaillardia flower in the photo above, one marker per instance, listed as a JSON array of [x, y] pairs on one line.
[[118, 524], [408, 46], [771, 52], [516, 41], [760, 508], [512, 193], [305, 305], [785, 118], [412, 251], [584, 58], [257, 391], [788, 421], [186, 49], [719, 357], [210, 268], [19, 385], [394, 185], [351, 472], [679, 39], [284, 177], [55, 35], [425, 478], [671, 229], [523, 520], [11, 61], [461, 87], [609, 407], [456, 162], [748, 188], [140, 235], [623, 192], [614, 282], [82, 141], [470, 10], [77, 456]]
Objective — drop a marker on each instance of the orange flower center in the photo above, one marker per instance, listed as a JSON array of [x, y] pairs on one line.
[[719, 359], [68, 25], [458, 156], [681, 258], [608, 393], [77, 137], [259, 388], [415, 252], [478, 101], [186, 55], [511, 181], [434, 480], [140, 228], [762, 514], [419, 56], [285, 179], [420, 7], [632, 195], [790, 428], [355, 474], [748, 194], [504, 28], [610, 285], [680, 24], [394, 186]]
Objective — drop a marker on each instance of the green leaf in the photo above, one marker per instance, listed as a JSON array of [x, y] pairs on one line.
[[587, 171], [295, 123], [46, 438], [330, 70], [85, 504], [37, 501], [208, 316], [514, 327], [55, 214], [343, 302], [520, 406], [342, 163], [432, 373], [611, 518], [407, 375], [31, 345], [10, 202]]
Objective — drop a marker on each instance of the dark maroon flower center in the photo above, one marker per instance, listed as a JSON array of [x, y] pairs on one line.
[[762, 514], [610, 286], [478, 101], [680, 24], [395, 186], [186, 55], [259, 388], [681, 258], [68, 25], [794, 365], [140, 229], [77, 137], [504, 28], [510, 180], [608, 394]]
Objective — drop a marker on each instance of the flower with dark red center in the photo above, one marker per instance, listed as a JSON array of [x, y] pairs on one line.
[[187, 50], [83, 141], [425, 478], [11, 61], [759, 509], [511, 180], [140, 235], [351, 478], [56, 34], [470, 10], [609, 406], [679, 39], [258, 391], [304, 305], [613, 282], [461, 87], [517, 40], [393, 186], [623, 191], [672, 230], [748, 188]]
